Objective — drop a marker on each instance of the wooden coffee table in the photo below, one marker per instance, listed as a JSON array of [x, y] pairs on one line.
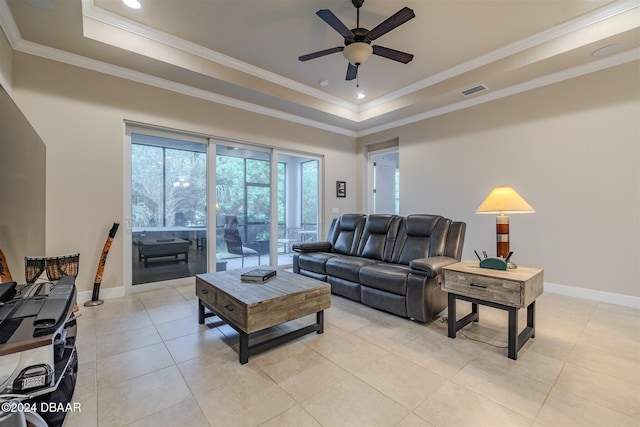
[[252, 307]]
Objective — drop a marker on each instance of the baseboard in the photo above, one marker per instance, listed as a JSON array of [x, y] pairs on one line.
[[590, 294], [105, 293], [571, 291]]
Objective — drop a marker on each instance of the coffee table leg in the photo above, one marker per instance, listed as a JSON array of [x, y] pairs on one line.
[[244, 348], [320, 321], [200, 312]]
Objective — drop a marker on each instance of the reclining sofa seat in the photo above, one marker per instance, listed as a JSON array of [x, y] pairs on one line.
[[397, 266], [376, 245], [343, 239]]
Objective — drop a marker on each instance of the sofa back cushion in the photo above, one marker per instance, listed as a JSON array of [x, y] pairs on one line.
[[455, 240], [421, 236], [345, 233], [379, 237]]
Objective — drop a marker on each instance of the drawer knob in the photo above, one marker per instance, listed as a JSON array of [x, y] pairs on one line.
[[228, 307], [204, 291], [476, 285]]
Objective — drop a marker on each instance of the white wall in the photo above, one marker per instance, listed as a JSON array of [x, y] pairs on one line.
[[80, 115], [570, 149]]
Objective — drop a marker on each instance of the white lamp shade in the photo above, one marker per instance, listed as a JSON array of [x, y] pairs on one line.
[[504, 199], [357, 53]]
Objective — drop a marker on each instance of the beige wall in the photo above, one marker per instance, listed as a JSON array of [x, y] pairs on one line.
[[570, 149], [80, 116], [22, 188]]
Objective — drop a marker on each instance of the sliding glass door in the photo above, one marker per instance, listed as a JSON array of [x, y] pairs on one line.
[[168, 208], [265, 201], [243, 207], [298, 203]]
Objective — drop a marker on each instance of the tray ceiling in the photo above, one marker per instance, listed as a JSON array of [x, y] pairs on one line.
[[244, 53]]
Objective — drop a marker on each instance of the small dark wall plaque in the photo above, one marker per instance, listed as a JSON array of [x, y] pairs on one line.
[[341, 189]]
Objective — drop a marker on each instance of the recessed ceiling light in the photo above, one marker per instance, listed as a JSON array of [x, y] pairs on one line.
[[133, 4], [324, 82], [360, 95], [607, 50]]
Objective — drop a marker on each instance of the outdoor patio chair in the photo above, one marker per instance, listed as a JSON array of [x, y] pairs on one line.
[[234, 241]]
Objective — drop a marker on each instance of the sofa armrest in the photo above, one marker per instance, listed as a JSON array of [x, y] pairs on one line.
[[312, 247], [431, 266]]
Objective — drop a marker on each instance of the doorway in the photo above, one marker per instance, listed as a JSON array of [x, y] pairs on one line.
[[384, 181]]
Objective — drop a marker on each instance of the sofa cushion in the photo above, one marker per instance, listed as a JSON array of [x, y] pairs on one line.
[[422, 236], [314, 261], [346, 267], [379, 237], [345, 233], [386, 277]]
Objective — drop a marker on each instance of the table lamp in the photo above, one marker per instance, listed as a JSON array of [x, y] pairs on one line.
[[503, 200]]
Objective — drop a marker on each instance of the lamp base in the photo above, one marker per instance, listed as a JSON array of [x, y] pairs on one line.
[[502, 236]]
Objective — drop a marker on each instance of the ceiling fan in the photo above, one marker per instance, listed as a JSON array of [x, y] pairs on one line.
[[357, 41]]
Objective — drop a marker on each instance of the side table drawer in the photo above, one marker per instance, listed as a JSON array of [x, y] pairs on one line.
[[497, 290], [206, 293], [232, 310]]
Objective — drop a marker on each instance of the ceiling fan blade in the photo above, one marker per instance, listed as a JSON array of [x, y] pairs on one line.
[[320, 53], [400, 17], [327, 16], [352, 72], [393, 54]]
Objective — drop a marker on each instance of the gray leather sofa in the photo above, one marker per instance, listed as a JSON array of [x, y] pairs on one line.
[[388, 262]]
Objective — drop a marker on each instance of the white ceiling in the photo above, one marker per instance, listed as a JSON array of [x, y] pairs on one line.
[[244, 52]]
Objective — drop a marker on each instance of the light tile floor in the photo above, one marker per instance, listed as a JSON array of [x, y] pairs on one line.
[[145, 361]]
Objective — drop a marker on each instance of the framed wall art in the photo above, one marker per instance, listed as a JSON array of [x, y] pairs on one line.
[[341, 189]]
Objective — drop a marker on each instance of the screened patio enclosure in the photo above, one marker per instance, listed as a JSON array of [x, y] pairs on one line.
[[192, 213], [244, 214]]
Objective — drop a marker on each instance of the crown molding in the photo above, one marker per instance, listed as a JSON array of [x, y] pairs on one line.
[[14, 37], [591, 67], [36, 49], [563, 29], [91, 11], [8, 25]]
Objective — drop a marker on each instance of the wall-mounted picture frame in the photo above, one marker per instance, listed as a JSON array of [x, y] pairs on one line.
[[341, 189]]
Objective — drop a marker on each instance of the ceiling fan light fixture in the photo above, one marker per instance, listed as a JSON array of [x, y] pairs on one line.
[[357, 53]]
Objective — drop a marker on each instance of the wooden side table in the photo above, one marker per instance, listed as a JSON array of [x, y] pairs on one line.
[[508, 290]]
